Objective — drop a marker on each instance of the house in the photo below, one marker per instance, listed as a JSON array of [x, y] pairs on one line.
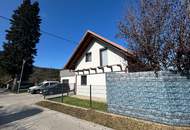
[[94, 56]]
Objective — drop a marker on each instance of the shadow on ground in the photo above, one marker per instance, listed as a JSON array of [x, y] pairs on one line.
[[6, 118]]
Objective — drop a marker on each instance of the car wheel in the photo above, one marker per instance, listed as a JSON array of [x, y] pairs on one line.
[[37, 91], [32, 91]]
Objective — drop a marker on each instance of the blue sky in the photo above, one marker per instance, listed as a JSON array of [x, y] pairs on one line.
[[69, 19]]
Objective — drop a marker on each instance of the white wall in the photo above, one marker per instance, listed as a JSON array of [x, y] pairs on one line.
[[98, 83], [94, 48], [114, 58]]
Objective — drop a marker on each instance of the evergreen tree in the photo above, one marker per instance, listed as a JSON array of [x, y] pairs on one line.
[[1, 53], [21, 40]]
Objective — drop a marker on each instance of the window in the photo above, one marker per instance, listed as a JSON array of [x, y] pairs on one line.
[[65, 81], [52, 83], [45, 85], [83, 80], [88, 57], [103, 57]]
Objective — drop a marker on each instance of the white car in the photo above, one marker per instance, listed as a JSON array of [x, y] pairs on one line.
[[41, 86]]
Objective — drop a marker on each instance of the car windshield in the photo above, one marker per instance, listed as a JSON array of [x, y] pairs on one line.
[[53, 85], [40, 84]]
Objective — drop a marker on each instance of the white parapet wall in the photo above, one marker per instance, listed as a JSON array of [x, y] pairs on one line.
[[68, 75], [98, 85]]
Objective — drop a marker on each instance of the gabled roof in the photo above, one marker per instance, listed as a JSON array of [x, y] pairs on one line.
[[89, 35]]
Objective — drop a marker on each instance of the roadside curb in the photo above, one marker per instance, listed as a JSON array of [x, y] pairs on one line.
[[114, 121]]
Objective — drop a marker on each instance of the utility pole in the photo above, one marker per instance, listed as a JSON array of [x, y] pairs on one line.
[[23, 63]]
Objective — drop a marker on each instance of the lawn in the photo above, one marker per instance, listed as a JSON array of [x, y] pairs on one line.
[[81, 103]]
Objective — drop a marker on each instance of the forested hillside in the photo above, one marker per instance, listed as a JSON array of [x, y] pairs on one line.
[[39, 74]]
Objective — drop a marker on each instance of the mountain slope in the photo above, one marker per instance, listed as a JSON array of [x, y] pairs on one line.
[[39, 74]]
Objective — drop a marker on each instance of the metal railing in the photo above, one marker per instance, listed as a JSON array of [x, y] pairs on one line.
[[92, 93], [58, 90], [87, 92]]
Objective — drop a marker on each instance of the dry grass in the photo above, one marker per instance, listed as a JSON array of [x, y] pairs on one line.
[[110, 120]]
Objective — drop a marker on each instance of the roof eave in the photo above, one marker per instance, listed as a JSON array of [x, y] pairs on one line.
[[88, 34]]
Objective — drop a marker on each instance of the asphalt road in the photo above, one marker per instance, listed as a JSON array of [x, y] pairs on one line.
[[19, 112]]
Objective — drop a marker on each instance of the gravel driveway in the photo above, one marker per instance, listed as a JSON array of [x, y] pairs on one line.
[[19, 112]]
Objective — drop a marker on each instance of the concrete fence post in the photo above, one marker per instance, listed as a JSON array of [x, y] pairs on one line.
[[90, 96]]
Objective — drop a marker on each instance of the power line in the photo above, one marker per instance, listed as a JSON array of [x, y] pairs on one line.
[[5, 18], [59, 37], [48, 33]]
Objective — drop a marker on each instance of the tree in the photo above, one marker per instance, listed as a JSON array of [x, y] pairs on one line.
[[144, 31], [180, 26], [158, 34], [1, 53], [21, 39], [3, 75]]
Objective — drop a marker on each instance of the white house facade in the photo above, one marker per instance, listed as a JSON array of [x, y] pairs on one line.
[[94, 57]]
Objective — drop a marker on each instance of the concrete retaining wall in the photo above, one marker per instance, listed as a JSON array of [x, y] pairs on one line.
[[164, 99]]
